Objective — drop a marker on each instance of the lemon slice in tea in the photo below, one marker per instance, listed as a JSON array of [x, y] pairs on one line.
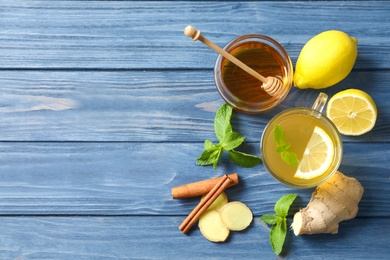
[[318, 155], [352, 111]]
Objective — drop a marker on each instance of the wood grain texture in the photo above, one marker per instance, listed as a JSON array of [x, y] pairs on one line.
[[136, 178], [146, 35], [169, 106], [159, 238], [105, 106]]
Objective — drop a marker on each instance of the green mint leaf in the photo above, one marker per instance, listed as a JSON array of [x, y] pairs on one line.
[[209, 146], [244, 159], [279, 222], [204, 158], [222, 124], [228, 140], [290, 158], [217, 155], [232, 140], [283, 148], [278, 235], [283, 205], [279, 136], [209, 157], [269, 219]]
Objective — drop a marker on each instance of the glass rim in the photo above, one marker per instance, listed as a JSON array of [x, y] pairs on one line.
[[234, 101]]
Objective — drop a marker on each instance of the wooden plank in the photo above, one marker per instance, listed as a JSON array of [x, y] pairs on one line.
[[136, 178], [157, 106], [139, 34], [159, 238], [104, 108]]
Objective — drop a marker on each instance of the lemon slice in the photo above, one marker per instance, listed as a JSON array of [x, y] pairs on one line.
[[352, 111], [318, 155]]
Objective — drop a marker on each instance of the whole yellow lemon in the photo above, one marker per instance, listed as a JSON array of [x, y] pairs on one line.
[[325, 60]]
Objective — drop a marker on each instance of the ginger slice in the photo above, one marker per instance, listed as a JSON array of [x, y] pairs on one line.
[[221, 200], [212, 227], [236, 216]]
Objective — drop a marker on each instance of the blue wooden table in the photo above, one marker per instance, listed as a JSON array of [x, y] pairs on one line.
[[105, 106]]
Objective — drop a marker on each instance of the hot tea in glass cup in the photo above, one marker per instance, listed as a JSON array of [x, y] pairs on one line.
[[301, 147]]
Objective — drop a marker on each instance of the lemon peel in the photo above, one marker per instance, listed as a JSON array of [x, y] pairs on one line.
[[325, 60]]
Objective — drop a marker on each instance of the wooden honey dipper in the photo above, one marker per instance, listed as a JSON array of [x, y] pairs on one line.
[[271, 85]]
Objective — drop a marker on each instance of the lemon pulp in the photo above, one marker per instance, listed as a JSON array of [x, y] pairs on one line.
[[318, 155], [353, 112]]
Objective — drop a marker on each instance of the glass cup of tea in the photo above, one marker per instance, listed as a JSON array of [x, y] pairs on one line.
[[241, 90], [301, 147]]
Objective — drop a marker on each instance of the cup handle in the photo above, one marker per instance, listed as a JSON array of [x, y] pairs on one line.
[[320, 102]]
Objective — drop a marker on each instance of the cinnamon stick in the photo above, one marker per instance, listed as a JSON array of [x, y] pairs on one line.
[[200, 188], [210, 197]]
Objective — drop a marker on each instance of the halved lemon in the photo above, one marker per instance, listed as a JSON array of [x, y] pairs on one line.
[[318, 155], [353, 112]]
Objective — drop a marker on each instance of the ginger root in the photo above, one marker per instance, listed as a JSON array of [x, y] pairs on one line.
[[333, 201]]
